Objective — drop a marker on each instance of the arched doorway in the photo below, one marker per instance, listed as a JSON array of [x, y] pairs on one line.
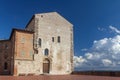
[[46, 66]]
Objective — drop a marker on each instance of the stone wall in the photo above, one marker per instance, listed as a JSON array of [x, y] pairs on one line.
[[49, 26], [52, 25]]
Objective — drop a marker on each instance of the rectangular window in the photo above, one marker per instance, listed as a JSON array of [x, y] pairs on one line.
[[5, 66], [58, 39], [40, 42], [52, 39]]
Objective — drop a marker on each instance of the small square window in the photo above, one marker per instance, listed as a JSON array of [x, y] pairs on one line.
[[41, 15]]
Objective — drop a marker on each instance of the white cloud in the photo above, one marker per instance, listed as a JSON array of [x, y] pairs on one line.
[[114, 29], [104, 54], [89, 55], [78, 61], [106, 62]]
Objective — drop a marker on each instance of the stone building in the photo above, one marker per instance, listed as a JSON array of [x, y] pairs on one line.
[[45, 46]]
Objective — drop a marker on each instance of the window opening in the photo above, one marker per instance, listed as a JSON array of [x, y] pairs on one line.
[[5, 66], [40, 42], [52, 39], [58, 39], [46, 52]]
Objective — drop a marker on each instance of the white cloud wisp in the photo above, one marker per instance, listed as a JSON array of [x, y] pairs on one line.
[[114, 29]]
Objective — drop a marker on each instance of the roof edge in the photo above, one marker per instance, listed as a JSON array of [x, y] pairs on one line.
[[22, 30], [4, 40], [30, 20]]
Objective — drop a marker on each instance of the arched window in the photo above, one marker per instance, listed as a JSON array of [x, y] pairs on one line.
[[40, 42], [46, 53], [5, 66]]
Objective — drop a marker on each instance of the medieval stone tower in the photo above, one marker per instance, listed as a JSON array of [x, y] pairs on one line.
[[44, 47], [53, 42]]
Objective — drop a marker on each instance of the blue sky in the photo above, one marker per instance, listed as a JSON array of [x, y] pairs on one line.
[[94, 21]]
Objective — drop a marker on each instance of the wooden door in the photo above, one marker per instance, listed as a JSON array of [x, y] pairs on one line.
[[46, 66]]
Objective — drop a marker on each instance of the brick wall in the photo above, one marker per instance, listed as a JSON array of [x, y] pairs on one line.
[[5, 57]]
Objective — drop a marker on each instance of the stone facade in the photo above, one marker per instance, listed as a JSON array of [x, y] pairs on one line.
[[44, 47]]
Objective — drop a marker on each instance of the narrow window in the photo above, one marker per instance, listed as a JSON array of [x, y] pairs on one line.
[[40, 42], [58, 39], [46, 53], [52, 39], [5, 66]]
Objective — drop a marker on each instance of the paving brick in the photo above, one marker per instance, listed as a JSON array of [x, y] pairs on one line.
[[58, 77]]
